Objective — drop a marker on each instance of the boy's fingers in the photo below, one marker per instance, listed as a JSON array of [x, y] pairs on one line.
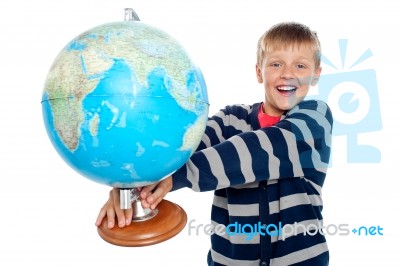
[[152, 198], [128, 216], [145, 204], [101, 216], [153, 194], [146, 191], [110, 218], [116, 208], [158, 194], [157, 201]]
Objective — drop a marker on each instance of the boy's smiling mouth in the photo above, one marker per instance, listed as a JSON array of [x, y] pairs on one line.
[[286, 90]]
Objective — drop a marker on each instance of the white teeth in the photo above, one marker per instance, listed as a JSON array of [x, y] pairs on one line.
[[286, 88]]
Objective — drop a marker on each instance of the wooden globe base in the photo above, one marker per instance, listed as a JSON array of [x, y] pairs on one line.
[[169, 221]]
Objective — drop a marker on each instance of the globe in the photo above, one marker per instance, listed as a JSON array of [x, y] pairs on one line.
[[124, 105]]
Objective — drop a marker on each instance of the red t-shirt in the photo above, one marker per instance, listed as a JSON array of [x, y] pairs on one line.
[[266, 120]]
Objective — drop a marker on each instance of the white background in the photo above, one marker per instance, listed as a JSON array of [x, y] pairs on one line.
[[47, 211]]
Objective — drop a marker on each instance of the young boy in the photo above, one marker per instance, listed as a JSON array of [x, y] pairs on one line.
[[266, 162]]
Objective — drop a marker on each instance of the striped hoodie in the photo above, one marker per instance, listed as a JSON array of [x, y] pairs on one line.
[[267, 184]]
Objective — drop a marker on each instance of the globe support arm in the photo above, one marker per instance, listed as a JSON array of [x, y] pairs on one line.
[[130, 15]]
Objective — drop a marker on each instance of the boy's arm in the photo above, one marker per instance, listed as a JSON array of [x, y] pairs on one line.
[[297, 146]]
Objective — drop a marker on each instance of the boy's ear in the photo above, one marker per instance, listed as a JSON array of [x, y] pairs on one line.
[[259, 74], [316, 76]]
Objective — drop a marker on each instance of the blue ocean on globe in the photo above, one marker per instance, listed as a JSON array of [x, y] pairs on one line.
[[124, 105]]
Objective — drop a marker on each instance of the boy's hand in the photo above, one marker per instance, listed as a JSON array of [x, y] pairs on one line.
[[111, 209], [152, 194]]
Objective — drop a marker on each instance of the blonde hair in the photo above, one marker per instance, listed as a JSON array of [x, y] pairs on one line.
[[286, 34]]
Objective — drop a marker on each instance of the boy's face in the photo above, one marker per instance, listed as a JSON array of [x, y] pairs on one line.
[[287, 75]]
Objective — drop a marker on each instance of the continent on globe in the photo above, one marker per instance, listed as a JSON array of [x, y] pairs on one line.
[[124, 105]]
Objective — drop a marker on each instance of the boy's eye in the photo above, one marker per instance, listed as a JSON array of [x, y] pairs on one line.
[[275, 65], [301, 66]]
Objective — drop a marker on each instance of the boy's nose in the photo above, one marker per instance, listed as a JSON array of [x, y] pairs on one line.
[[286, 73]]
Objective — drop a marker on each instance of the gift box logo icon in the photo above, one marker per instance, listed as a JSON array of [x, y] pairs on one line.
[[354, 100]]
